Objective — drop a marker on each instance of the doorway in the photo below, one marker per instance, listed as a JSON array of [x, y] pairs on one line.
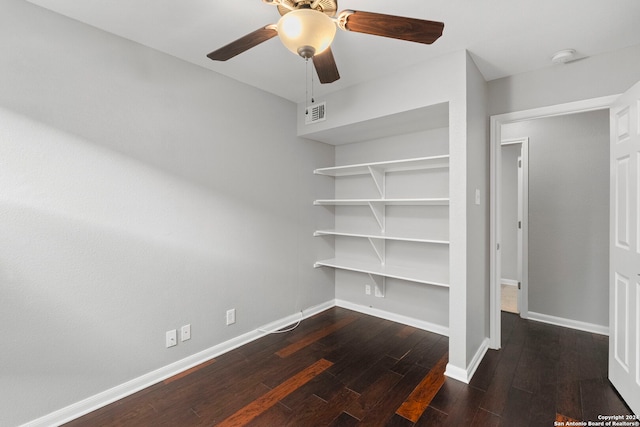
[[497, 123], [514, 225]]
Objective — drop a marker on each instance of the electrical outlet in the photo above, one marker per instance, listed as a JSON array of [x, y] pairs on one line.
[[185, 332], [231, 316], [379, 293], [367, 289], [171, 338]]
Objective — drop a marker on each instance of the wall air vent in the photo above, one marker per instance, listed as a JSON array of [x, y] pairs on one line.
[[316, 113]]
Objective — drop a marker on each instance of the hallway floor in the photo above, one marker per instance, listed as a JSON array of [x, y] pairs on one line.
[[509, 298]]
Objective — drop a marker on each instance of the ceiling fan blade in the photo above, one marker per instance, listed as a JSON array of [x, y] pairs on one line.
[[243, 43], [397, 27], [326, 67]]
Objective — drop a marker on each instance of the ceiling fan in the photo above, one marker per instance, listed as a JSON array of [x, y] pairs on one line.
[[307, 28]]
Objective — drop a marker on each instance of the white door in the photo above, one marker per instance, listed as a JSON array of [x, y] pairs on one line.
[[624, 279], [519, 232]]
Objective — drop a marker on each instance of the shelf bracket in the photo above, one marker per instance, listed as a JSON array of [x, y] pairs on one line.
[[380, 284], [378, 212], [378, 176], [378, 247]]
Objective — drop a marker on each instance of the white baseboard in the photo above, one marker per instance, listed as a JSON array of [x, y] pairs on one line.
[[293, 318], [405, 320], [465, 375], [457, 373], [568, 323], [509, 282], [106, 397]]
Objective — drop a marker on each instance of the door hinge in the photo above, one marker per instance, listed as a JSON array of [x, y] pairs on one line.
[[520, 224], [519, 163], [519, 285]]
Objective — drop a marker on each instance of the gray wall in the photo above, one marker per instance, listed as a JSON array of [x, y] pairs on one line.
[[509, 212], [568, 214], [477, 166], [600, 75], [139, 194]]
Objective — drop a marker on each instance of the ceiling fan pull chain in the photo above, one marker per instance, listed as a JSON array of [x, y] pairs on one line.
[[308, 100], [312, 100], [306, 84]]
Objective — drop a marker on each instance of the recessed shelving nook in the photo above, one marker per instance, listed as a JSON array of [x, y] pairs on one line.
[[400, 207], [397, 205]]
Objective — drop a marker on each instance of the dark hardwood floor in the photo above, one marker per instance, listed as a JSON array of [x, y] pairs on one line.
[[342, 368]]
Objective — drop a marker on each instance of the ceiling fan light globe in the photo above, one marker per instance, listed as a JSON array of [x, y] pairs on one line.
[[306, 30]]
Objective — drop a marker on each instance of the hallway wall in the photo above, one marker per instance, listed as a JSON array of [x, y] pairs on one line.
[[568, 215]]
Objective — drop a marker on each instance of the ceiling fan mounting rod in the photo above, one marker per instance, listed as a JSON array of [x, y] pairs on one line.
[[279, 3], [306, 4], [328, 7]]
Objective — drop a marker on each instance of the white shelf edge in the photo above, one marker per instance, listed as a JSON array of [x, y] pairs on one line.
[[411, 275], [424, 202], [379, 236], [416, 163]]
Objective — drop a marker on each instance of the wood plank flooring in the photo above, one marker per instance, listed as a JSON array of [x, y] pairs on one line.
[[342, 368]]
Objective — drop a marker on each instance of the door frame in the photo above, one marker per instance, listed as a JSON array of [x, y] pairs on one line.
[[495, 141]]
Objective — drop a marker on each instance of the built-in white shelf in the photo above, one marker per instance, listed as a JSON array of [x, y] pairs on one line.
[[380, 235], [388, 166], [428, 277], [439, 201], [438, 275]]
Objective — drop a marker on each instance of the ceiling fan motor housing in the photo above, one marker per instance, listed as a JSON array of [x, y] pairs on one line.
[[328, 7]]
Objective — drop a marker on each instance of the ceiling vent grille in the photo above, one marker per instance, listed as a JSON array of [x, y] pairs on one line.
[[316, 113]]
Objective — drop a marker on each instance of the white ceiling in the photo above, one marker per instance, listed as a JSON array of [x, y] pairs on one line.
[[504, 37]]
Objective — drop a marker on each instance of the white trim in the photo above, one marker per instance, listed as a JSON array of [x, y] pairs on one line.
[[514, 141], [293, 318], [523, 246], [495, 141], [106, 397], [509, 282], [558, 110], [451, 371], [387, 315], [569, 323], [465, 375], [456, 373]]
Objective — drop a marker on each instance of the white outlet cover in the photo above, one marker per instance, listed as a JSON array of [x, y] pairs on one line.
[[185, 333], [231, 316], [171, 338]]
